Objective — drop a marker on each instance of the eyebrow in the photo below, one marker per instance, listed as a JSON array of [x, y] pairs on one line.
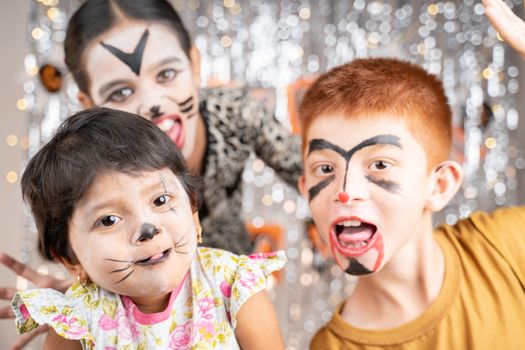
[[316, 145], [111, 85], [167, 60], [149, 188]]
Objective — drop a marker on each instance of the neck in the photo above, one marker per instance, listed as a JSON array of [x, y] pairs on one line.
[[196, 159], [151, 305], [404, 288]]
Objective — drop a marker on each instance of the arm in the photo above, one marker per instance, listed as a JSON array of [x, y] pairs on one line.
[[54, 341], [510, 27], [272, 142], [257, 324]]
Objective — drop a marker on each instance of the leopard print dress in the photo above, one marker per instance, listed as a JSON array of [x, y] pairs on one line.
[[236, 127]]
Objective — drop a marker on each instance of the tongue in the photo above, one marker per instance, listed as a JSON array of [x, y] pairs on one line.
[[355, 234], [156, 256], [175, 134]]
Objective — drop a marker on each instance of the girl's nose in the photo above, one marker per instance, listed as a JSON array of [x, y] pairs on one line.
[[147, 231]]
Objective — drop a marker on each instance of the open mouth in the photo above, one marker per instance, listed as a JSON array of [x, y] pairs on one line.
[[353, 237], [154, 259], [172, 126]]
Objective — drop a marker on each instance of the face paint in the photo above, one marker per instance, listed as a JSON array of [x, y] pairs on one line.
[[385, 184], [161, 179], [132, 60], [185, 106], [147, 232], [373, 247], [150, 74], [356, 269], [321, 144], [371, 253], [155, 112]]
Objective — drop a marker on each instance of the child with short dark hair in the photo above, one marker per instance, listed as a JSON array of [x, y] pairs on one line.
[[114, 202], [376, 138]]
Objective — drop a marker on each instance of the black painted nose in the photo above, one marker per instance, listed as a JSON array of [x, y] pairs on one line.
[[147, 232], [155, 111]]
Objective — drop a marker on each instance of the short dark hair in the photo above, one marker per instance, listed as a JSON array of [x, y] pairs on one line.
[[86, 144], [95, 17]]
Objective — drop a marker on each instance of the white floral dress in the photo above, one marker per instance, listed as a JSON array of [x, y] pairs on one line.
[[201, 314]]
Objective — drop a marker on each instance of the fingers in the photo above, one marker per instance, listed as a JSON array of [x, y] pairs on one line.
[[7, 293], [24, 339], [6, 312], [19, 268], [509, 26]]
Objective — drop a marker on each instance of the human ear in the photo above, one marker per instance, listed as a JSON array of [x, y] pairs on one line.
[[75, 269], [85, 100], [301, 183], [445, 181], [196, 220], [198, 226], [195, 62]]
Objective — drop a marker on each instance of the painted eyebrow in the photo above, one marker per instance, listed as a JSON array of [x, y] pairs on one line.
[[316, 145], [164, 185]]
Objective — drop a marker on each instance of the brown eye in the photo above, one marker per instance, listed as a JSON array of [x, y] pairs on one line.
[[326, 169], [323, 169], [166, 75], [161, 200], [120, 95], [110, 220], [380, 165]]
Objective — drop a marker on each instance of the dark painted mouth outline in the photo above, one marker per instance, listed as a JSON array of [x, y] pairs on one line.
[[148, 262]]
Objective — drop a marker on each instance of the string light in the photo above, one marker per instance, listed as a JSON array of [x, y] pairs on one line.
[[11, 176], [12, 140]]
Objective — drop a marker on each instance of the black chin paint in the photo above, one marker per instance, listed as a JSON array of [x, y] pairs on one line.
[[322, 144], [357, 269], [134, 59]]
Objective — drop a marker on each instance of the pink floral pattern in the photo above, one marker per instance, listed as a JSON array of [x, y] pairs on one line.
[[182, 336], [203, 314]]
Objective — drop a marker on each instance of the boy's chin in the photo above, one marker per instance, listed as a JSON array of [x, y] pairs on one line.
[[359, 266]]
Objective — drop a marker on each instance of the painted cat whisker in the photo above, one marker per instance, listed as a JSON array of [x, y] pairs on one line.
[[123, 278]]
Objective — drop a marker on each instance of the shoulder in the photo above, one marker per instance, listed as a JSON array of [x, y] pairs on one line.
[[490, 237], [223, 97], [326, 338]]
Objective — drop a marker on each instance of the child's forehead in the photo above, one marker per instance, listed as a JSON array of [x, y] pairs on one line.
[[109, 179], [337, 125]]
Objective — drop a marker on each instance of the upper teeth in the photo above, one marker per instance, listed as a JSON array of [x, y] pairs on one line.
[[350, 223], [166, 124]]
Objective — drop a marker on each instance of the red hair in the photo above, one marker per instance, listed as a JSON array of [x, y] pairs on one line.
[[386, 87]]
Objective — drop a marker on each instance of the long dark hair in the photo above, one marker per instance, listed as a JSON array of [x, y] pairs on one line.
[[95, 17]]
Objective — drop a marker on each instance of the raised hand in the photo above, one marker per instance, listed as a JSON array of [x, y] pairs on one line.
[[509, 26], [38, 280]]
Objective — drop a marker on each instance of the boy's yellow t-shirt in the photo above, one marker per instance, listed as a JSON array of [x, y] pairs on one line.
[[482, 301]]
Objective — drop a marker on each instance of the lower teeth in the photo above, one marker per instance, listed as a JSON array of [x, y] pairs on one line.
[[355, 245]]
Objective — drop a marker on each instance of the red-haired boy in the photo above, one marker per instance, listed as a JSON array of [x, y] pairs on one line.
[[376, 138]]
